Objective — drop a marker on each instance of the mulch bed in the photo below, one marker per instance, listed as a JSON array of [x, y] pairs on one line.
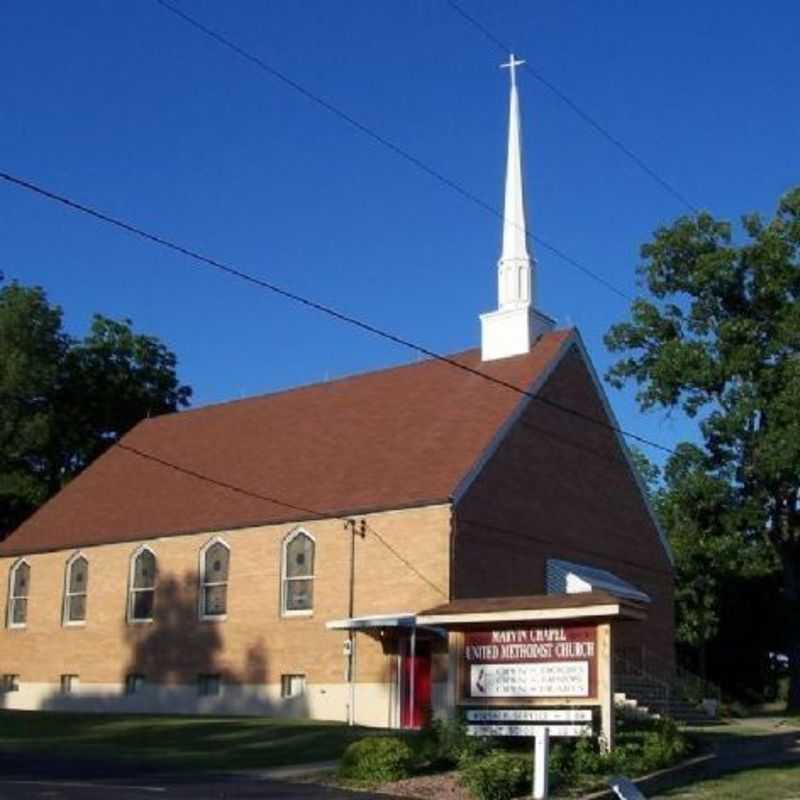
[[444, 785]]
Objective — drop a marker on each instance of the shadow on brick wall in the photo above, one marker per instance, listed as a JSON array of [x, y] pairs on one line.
[[178, 665]]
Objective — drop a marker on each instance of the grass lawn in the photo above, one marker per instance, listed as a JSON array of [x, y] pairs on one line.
[[764, 783], [175, 742]]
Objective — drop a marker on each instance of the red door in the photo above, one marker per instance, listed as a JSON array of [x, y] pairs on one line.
[[414, 713]]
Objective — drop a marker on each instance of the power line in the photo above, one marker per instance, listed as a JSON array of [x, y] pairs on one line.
[[275, 501], [584, 115], [387, 143], [324, 309], [486, 527], [482, 525]]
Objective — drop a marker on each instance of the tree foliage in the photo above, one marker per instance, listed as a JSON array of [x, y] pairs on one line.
[[719, 337], [718, 569], [63, 401]]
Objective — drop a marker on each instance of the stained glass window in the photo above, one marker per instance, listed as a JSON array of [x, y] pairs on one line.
[[214, 588], [76, 590], [20, 590], [143, 587], [298, 573]]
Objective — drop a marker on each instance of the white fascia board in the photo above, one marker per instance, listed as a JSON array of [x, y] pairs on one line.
[[531, 615], [622, 443], [503, 431], [404, 619]]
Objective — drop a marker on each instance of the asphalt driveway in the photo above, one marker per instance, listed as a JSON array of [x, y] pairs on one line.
[[37, 777]]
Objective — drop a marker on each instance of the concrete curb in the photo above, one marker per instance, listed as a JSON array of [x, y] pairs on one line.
[[745, 753], [663, 779]]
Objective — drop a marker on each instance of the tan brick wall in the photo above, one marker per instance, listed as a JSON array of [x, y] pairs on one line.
[[559, 487], [254, 645]]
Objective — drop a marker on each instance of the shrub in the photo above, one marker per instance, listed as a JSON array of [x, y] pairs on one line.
[[587, 758], [664, 746], [497, 776], [654, 745], [445, 742], [376, 759], [626, 759], [561, 768]]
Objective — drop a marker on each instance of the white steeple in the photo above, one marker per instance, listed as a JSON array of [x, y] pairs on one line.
[[515, 267], [515, 325]]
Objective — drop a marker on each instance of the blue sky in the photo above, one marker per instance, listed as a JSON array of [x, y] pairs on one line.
[[125, 107]]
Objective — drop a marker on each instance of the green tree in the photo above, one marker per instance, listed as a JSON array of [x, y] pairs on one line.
[[719, 337], [64, 401], [699, 511]]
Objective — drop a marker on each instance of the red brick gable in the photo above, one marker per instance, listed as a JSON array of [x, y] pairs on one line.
[[559, 486]]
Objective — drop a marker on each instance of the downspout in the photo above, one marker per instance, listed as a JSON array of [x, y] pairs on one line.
[[351, 638], [452, 566], [412, 669]]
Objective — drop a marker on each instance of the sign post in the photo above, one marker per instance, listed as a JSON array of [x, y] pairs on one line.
[[541, 762], [540, 667]]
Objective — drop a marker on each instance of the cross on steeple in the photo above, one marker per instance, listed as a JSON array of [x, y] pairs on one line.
[[512, 65]]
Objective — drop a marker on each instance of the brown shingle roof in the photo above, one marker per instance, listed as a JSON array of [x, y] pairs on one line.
[[388, 439]]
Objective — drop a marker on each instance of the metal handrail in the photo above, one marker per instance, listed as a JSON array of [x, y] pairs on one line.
[[684, 683]]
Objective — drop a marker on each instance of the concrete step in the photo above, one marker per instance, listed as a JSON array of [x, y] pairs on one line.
[[639, 697]]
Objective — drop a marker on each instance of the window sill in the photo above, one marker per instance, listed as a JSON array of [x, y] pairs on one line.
[[74, 624], [141, 621], [290, 614], [213, 617], [17, 626]]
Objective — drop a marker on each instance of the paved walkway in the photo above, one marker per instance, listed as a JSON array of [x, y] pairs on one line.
[[735, 745]]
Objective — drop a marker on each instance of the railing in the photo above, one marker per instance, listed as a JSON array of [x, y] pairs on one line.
[[682, 684], [695, 687], [659, 689]]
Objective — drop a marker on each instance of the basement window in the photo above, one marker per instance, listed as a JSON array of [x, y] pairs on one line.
[[9, 683], [69, 683], [293, 685], [134, 683], [209, 685]]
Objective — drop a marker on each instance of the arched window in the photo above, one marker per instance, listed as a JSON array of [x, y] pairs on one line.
[[215, 560], [19, 590], [75, 588], [142, 591], [298, 574]]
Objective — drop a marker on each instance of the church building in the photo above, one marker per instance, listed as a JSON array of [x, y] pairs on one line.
[[280, 554]]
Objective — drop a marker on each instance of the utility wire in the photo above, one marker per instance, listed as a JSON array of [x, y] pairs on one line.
[[275, 501], [388, 144], [484, 526], [324, 309], [487, 528], [584, 115]]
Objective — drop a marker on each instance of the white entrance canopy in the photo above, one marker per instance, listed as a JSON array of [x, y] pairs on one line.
[[399, 620]]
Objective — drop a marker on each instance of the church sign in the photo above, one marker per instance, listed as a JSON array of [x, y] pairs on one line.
[[547, 662], [517, 721]]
